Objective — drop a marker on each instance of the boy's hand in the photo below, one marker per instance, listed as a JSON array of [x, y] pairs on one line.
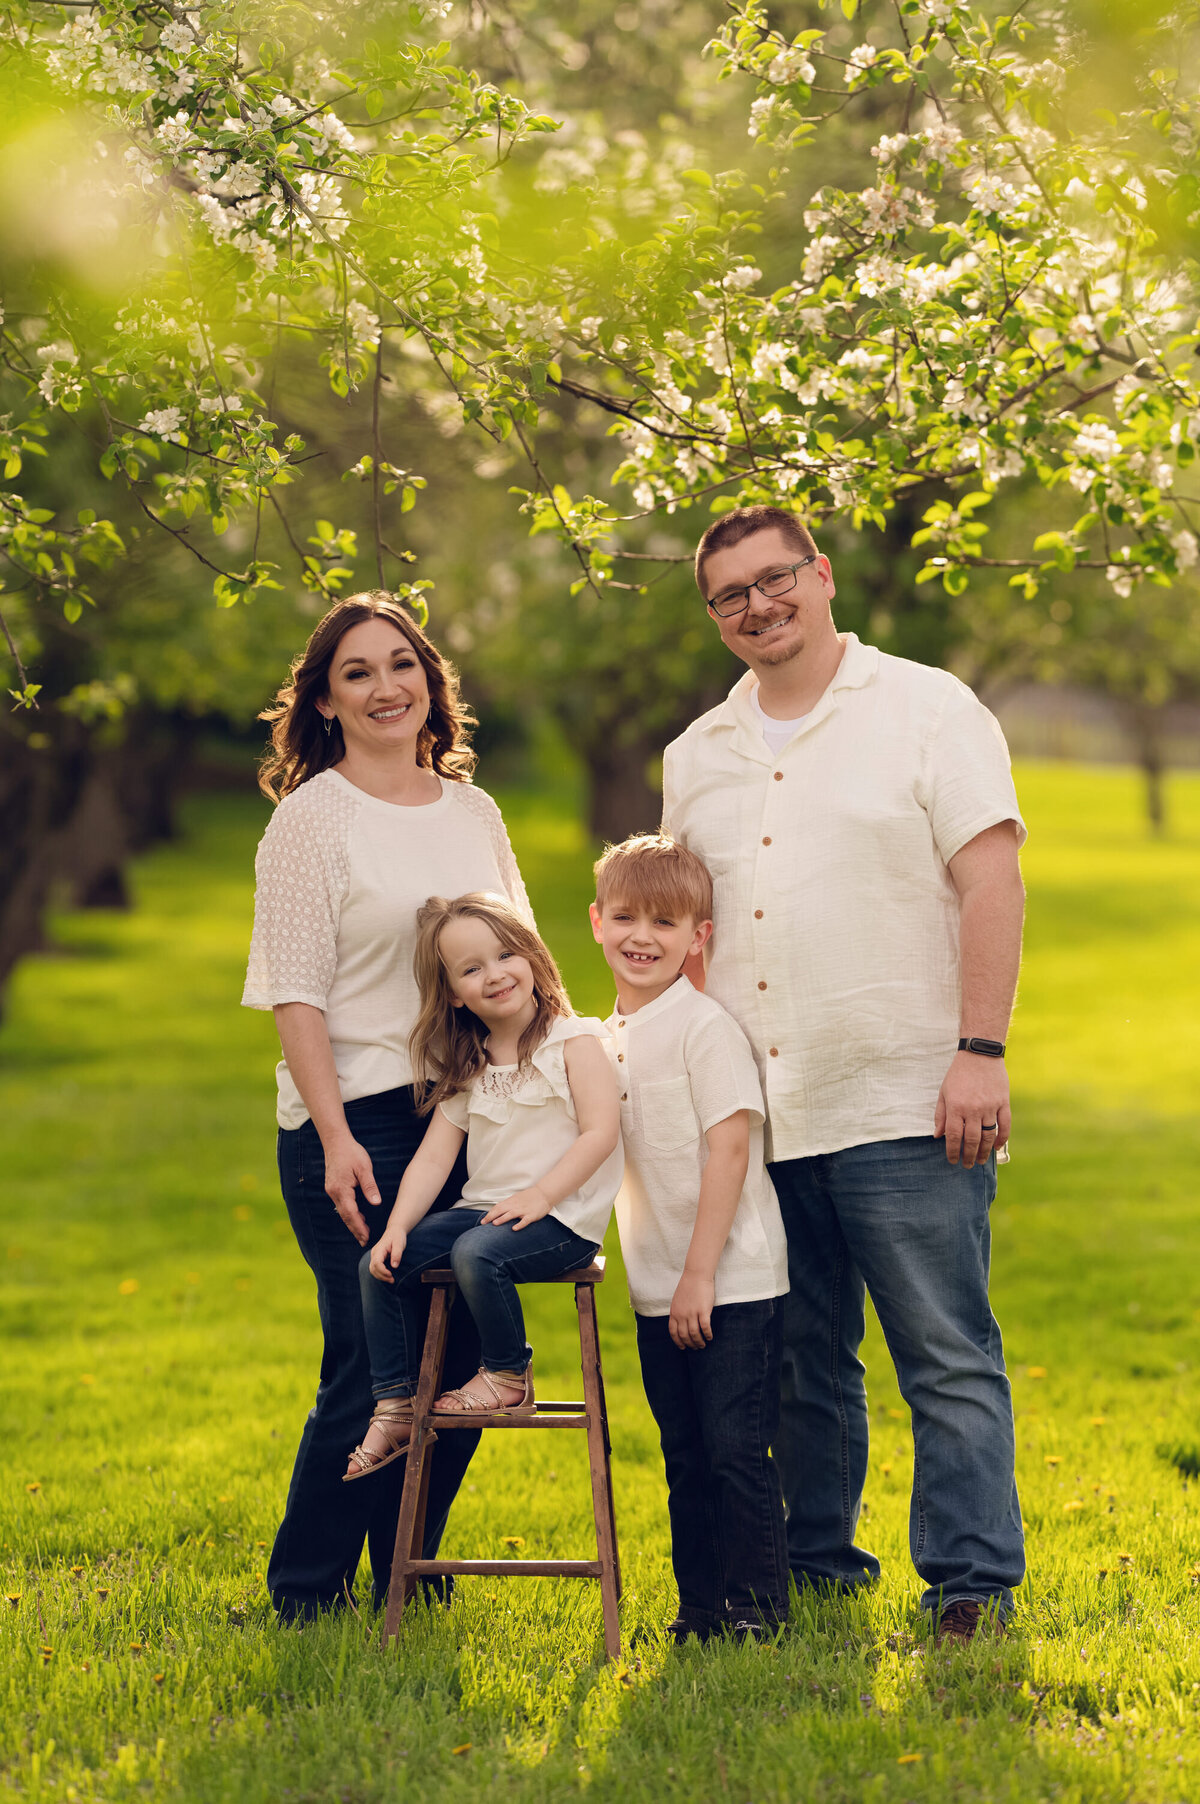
[[526, 1206], [691, 1311], [387, 1252]]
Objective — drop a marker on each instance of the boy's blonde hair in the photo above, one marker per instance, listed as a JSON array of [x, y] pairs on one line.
[[651, 870], [447, 1043]]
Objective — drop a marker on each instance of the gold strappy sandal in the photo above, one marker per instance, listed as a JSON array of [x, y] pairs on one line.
[[394, 1418], [492, 1405]]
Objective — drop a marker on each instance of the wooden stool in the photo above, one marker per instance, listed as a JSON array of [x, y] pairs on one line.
[[407, 1566]]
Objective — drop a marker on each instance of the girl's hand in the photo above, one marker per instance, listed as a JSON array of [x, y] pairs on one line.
[[526, 1206], [388, 1251], [347, 1168], [690, 1324]]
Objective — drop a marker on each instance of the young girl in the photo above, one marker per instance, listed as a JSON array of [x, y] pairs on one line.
[[530, 1086]]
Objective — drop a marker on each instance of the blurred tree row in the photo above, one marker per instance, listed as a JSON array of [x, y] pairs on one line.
[[293, 299]]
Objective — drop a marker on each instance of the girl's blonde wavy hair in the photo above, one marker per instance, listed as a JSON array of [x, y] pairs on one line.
[[447, 1042]]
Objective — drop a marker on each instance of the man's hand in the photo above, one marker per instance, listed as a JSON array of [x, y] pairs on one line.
[[690, 1323], [526, 1206], [347, 1167], [972, 1109], [388, 1251]]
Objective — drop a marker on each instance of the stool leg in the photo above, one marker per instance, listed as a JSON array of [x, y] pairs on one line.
[[601, 1471], [410, 1528]]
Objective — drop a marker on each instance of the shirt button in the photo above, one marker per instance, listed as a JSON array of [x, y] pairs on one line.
[[761, 984], [620, 1024], [779, 776], [774, 1050], [767, 840], [624, 1096], [758, 914], [620, 1058]]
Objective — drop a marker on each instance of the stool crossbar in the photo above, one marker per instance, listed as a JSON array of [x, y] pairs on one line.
[[589, 1415]]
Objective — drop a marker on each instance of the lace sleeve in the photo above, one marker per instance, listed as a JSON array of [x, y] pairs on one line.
[[301, 875], [482, 805]]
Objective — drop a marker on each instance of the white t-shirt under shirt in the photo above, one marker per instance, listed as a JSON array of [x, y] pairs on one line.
[[340, 876], [775, 732], [684, 1065], [519, 1123], [836, 924]]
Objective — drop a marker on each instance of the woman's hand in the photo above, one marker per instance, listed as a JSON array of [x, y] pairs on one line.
[[388, 1251], [347, 1168], [526, 1206]]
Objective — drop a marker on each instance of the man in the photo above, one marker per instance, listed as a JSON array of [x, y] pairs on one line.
[[858, 816]]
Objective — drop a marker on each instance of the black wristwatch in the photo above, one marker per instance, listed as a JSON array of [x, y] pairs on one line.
[[988, 1049]]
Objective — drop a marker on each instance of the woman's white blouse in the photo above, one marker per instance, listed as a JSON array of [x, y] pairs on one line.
[[340, 876], [519, 1123]]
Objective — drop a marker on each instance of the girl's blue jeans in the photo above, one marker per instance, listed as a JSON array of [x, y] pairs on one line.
[[488, 1263]]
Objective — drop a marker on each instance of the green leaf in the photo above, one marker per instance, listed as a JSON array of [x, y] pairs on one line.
[[72, 609]]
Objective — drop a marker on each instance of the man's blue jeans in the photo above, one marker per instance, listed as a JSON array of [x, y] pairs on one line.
[[489, 1261], [895, 1218]]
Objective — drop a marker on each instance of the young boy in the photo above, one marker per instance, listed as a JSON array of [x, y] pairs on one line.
[[702, 1240]]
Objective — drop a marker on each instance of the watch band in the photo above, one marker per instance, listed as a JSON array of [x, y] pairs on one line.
[[988, 1049]]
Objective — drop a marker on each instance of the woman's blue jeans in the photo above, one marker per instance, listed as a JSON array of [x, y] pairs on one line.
[[895, 1218], [488, 1261], [317, 1549]]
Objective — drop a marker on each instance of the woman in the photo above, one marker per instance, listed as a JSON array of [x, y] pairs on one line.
[[370, 766]]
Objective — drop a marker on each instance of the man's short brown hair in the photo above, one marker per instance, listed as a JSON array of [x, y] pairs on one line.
[[652, 870], [733, 527]]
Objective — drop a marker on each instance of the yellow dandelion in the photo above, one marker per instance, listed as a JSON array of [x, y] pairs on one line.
[[1099, 1421], [1102, 1572], [12, 1599], [908, 1759], [87, 1377], [886, 1467], [128, 1287], [899, 1415], [137, 1647], [102, 1592], [464, 1747], [35, 1486], [1054, 1459], [1035, 1371], [243, 1212], [1194, 1575], [192, 1277], [1075, 1504], [1126, 1559], [260, 1544], [514, 1540], [159, 1677], [224, 1499], [77, 1570], [86, 1666], [47, 1655]]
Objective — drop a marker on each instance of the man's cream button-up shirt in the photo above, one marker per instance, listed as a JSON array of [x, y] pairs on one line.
[[835, 922]]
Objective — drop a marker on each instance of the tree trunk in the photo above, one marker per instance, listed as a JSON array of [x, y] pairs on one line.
[[622, 799], [1146, 728], [72, 811]]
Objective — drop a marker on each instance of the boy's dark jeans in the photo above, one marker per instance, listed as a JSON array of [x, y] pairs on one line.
[[317, 1549], [717, 1410]]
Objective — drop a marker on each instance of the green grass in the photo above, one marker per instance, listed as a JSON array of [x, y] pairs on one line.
[[161, 1351]]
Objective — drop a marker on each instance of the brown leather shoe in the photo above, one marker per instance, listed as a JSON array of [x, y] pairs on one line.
[[960, 1622]]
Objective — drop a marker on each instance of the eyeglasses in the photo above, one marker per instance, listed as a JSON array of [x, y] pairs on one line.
[[775, 582]]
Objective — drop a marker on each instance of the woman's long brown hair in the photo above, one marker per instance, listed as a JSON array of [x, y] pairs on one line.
[[447, 1043], [300, 747]]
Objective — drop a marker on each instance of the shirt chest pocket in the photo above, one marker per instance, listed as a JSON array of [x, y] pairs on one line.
[[668, 1118]]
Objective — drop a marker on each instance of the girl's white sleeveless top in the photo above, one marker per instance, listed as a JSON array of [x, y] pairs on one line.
[[520, 1123], [340, 876]]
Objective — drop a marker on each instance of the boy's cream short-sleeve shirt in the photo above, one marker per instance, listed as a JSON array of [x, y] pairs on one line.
[[835, 922], [683, 1065]]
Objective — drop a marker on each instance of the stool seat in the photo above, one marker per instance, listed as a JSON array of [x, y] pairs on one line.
[[590, 1415]]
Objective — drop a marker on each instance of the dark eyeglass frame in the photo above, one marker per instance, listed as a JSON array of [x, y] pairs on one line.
[[726, 606]]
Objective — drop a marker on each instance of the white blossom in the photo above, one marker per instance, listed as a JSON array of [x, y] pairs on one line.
[[991, 195], [221, 404], [176, 38], [1121, 580], [789, 66], [174, 133], [888, 149], [762, 113], [164, 422], [820, 257], [743, 277], [1097, 440], [861, 58], [1186, 549]]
